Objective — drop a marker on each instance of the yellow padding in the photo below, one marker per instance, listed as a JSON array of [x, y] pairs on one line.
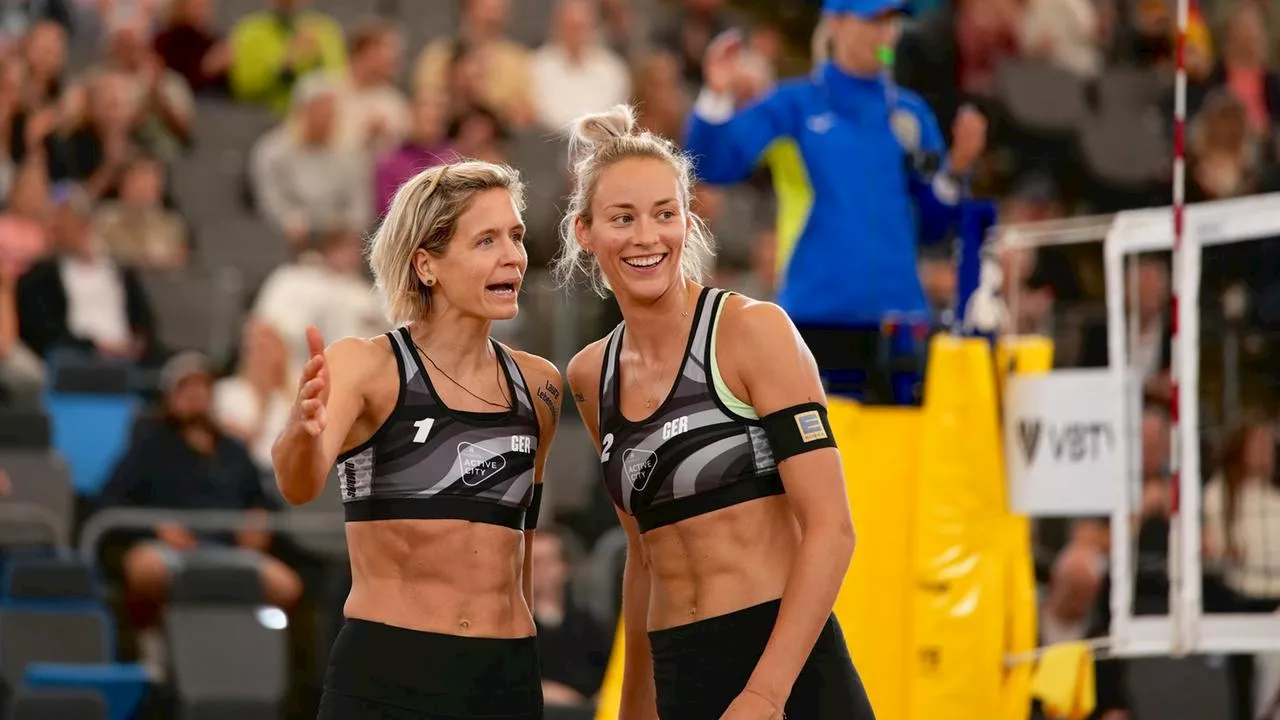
[[1021, 632], [880, 449], [611, 689], [961, 538], [1029, 355], [1064, 681]]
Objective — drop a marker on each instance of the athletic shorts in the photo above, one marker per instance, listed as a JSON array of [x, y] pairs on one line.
[[380, 672], [700, 668]]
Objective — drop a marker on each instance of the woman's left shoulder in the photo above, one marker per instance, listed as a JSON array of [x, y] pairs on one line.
[[537, 370], [749, 321]]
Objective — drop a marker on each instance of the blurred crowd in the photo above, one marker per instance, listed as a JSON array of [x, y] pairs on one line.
[[100, 103]]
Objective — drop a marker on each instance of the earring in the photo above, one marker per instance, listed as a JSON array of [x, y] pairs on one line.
[[430, 281]]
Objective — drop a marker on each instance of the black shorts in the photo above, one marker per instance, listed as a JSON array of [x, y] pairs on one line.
[[700, 668], [380, 672]]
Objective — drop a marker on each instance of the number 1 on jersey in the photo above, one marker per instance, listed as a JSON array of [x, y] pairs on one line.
[[424, 429]]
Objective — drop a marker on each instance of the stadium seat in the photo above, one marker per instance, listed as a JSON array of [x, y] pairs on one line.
[[196, 309], [40, 480], [225, 655], [49, 578], [90, 430], [1128, 90], [330, 545], [73, 704], [24, 427], [1041, 98], [1124, 151], [216, 709], [596, 587], [567, 712], [1193, 687], [50, 644]]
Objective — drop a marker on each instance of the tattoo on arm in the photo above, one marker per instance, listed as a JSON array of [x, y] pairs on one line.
[[579, 396], [548, 395]]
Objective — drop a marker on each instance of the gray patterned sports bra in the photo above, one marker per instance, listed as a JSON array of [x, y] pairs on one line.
[[430, 462], [693, 455]]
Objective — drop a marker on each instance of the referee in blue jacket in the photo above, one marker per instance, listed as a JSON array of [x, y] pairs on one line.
[[862, 173]]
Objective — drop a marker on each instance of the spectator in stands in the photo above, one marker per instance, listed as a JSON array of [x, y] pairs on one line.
[[158, 99], [1064, 32], [572, 645], [304, 183], [426, 146], [24, 236], [100, 141], [575, 73], [464, 81], [18, 18], [10, 110], [327, 289], [1241, 510], [660, 96], [44, 54], [1245, 69], [181, 461], [1150, 358], [81, 300], [503, 64], [270, 50], [951, 55], [481, 135], [687, 33], [1225, 155], [21, 371], [193, 48], [253, 404], [137, 228], [374, 115], [1241, 507]]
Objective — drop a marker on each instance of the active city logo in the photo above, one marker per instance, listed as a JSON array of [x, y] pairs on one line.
[[638, 466], [1073, 442], [478, 464]]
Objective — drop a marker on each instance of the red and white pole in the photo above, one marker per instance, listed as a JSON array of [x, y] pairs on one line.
[[1176, 366]]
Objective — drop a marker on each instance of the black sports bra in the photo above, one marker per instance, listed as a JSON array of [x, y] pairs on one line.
[[693, 455], [430, 462]]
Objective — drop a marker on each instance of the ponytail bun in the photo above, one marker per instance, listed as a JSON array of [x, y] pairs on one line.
[[592, 131]]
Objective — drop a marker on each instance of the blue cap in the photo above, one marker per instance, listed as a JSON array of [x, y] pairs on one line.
[[864, 8]]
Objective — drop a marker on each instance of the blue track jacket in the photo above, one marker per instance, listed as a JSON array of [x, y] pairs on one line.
[[852, 201]]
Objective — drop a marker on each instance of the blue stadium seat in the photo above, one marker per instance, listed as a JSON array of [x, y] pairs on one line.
[[91, 432], [32, 704], [57, 634]]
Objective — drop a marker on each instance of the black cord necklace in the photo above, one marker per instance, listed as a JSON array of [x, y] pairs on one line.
[[507, 406]]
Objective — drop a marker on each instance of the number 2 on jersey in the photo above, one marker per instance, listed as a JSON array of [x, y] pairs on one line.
[[604, 447], [424, 429]]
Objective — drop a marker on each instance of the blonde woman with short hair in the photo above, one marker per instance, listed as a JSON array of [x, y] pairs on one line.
[[440, 447]]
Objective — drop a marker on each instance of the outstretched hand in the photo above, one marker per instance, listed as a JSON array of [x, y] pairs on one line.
[[313, 389]]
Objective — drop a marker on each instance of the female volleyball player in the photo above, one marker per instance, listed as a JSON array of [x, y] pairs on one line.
[[440, 448], [713, 436]]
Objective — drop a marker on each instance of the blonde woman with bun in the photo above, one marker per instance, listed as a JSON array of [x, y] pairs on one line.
[[711, 426], [440, 449]]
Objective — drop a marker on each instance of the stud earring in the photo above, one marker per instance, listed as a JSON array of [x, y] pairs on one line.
[[430, 281]]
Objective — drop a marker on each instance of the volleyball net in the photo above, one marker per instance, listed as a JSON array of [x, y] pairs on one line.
[[1193, 555]]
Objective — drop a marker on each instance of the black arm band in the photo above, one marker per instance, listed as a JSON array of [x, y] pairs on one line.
[[798, 429], [535, 506]]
